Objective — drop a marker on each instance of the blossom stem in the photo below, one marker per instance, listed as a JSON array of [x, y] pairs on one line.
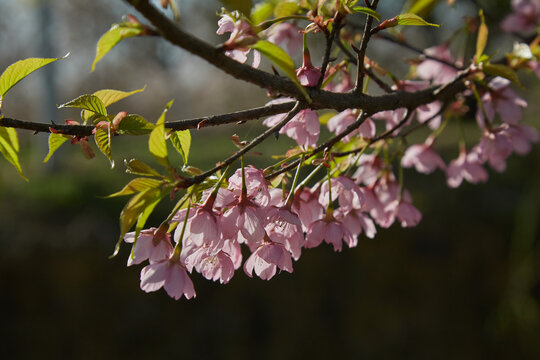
[[178, 246], [290, 198]]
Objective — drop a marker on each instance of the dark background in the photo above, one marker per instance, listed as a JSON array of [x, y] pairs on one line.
[[464, 284]]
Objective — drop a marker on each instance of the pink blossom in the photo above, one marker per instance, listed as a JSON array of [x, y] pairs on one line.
[[425, 112], [494, 147], [346, 191], [344, 119], [286, 33], [306, 205], [242, 35], [152, 244], [503, 100], [466, 166], [437, 71], [391, 117], [244, 222], [406, 213], [284, 227], [304, 127], [423, 158], [525, 17], [357, 222], [521, 137], [369, 168], [307, 74], [385, 191], [330, 230], [211, 266], [266, 259], [256, 185], [169, 274]]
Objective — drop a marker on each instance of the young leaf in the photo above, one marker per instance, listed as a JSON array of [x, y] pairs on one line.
[[503, 71], [413, 20], [19, 70], [87, 102], [108, 97], [157, 144], [181, 141], [422, 7], [261, 12], [244, 6], [149, 208], [55, 141], [112, 37], [9, 147], [286, 8], [134, 125], [103, 142], [137, 167], [481, 39], [137, 185], [367, 11], [282, 60]]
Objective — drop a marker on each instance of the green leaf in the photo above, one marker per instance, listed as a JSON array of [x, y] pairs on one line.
[[482, 37], [149, 208], [9, 147], [244, 6], [103, 142], [108, 97], [137, 185], [281, 59], [286, 8], [19, 70], [367, 11], [134, 125], [181, 141], [112, 37], [157, 144], [55, 141], [325, 117], [413, 20], [422, 7], [137, 167], [503, 71], [87, 102], [132, 210], [262, 12]]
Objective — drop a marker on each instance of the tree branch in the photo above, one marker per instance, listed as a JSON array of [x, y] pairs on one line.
[[361, 52]]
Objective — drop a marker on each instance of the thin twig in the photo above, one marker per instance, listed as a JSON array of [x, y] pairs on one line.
[[329, 40], [361, 51]]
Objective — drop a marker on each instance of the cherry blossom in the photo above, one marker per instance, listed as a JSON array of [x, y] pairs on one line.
[[286, 33], [502, 100], [267, 258], [525, 18], [341, 121], [423, 158], [153, 244], [304, 127], [437, 71], [169, 274], [466, 166], [332, 231]]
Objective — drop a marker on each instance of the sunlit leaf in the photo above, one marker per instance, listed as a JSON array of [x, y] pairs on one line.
[[134, 125], [367, 11], [181, 141], [19, 70], [137, 167], [157, 144], [108, 97], [286, 8], [482, 36], [103, 142], [137, 185], [9, 147], [261, 12], [55, 141], [281, 59], [422, 7], [87, 102], [112, 37], [413, 20], [244, 6]]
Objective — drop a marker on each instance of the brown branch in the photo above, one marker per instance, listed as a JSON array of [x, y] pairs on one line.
[[329, 40], [361, 51]]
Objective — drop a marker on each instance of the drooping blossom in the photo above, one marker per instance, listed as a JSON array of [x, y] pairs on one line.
[[338, 123], [242, 35], [267, 258], [494, 147], [391, 118], [284, 227], [256, 185], [169, 274], [369, 168], [384, 192], [332, 231], [428, 112], [357, 222], [437, 71], [405, 211], [345, 190], [525, 18], [521, 137], [307, 74], [502, 100], [153, 244], [286, 33], [466, 166], [304, 127], [423, 158], [213, 266], [306, 205]]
